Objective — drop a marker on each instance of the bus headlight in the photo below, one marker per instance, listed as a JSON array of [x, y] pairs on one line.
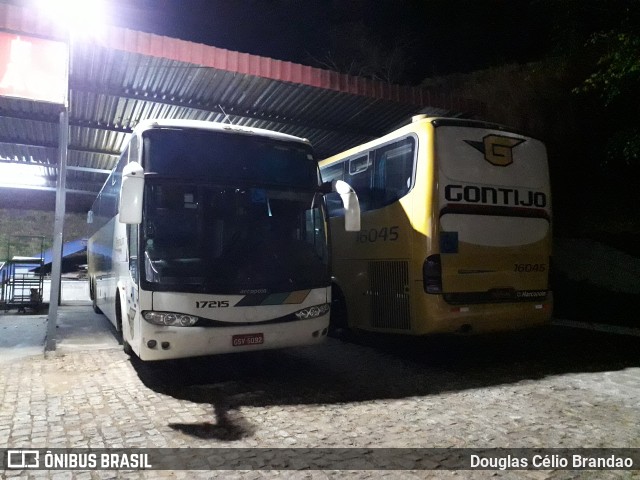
[[169, 319], [312, 312]]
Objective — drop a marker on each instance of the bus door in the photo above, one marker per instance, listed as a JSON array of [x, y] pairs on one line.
[[132, 306]]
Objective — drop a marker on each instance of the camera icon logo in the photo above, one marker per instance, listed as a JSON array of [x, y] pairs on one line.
[[21, 459]]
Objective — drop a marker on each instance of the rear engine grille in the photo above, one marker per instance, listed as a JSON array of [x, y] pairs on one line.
[[389, 294]]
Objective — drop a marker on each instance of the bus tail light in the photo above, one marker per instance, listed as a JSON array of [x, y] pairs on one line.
[[432, 274], [169, 319]]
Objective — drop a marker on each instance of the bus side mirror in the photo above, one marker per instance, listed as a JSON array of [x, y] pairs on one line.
[[326, 187], [131, 193], [351, 205]]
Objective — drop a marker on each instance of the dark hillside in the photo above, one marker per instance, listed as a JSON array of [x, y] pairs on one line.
[[15, 222]]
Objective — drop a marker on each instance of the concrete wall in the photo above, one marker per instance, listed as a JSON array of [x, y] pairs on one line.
[[73, 291]]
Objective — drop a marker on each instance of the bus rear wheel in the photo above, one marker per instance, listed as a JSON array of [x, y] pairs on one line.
[[92, 294]]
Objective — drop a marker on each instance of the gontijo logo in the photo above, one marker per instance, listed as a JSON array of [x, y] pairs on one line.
[[497, 149]]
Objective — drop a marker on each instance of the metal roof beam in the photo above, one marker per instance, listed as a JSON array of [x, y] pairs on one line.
[[38, 117], [218, 108], [48, 189], [55, 167], [22, 143], [90, 170]]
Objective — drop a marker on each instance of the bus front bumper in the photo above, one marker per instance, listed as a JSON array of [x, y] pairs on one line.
[[164, 343]]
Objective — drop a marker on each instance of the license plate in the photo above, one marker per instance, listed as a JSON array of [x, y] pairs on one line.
[[247, 339]]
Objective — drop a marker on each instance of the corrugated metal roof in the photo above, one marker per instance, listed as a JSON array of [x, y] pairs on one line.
[[129, 76]]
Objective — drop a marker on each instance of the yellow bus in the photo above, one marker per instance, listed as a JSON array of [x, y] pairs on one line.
[[455, 230]]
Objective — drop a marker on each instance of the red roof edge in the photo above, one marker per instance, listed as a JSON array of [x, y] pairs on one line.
[[30, 21], [246, 64]]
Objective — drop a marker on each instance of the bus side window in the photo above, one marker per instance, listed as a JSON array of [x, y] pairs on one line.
[[359, 177], [335, 207], [393, 172]]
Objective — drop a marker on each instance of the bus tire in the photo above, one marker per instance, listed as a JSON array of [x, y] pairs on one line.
[[119, 318], [92, 294], [339, 320], [96, 308], [126, 347]]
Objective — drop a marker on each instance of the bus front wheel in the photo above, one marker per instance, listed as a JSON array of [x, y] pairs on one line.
[[126, 346], [339, 322]]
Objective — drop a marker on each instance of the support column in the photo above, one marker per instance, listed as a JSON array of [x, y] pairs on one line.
[[58, 229]]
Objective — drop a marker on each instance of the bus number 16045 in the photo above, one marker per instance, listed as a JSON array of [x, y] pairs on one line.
[[529, 267], [383, 234]]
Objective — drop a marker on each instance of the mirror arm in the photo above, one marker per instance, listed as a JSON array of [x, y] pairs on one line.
[[326, 187]]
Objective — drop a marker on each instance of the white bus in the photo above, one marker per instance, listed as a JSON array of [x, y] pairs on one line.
[[211, 238]]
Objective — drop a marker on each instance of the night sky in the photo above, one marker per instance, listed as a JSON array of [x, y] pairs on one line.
[[287, 30], [439, 36]]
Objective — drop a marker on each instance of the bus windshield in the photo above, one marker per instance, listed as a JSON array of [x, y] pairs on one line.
[[229, 239], [213, 156]]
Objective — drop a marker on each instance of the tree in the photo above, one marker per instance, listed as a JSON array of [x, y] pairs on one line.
[[615, 80], [355, 51]]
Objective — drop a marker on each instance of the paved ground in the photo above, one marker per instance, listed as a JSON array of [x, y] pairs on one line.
[[558, 387]]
